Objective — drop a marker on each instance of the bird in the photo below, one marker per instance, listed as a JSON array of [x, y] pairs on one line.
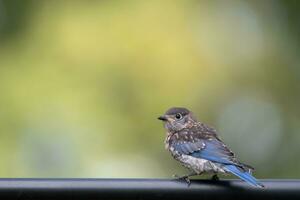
[[198, 147]]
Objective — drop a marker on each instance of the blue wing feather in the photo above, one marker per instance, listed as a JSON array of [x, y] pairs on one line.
[[192, 142], [188, 147], [216, 152], [244, 175]]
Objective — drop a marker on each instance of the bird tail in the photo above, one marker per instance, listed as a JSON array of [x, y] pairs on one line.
[[244, 175]]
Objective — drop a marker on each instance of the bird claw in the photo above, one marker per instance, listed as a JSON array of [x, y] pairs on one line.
[[184, 178]]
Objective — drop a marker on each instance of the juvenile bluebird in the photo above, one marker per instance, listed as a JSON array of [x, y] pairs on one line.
[[198, 147]]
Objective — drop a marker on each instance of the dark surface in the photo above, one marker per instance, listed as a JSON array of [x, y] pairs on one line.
[[145, 189]]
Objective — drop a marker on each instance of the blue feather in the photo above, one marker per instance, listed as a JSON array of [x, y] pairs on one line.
[[214, 151], [246, 176]]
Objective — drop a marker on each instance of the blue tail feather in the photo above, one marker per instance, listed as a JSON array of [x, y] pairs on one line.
[[246, 176]]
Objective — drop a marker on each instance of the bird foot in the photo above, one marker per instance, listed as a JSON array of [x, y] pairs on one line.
[[184, 178], [215, 177]]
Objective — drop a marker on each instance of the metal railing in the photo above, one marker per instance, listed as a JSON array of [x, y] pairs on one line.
[[145, 189]]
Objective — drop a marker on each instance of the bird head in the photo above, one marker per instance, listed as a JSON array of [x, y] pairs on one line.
[[176, 119]]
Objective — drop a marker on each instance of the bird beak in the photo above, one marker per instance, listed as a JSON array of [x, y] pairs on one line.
[[162, 118]]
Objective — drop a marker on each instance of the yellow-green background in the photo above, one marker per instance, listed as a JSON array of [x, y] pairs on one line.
[[83, 82]]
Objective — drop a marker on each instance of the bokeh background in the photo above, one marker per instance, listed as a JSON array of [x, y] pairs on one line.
[[83, 82]]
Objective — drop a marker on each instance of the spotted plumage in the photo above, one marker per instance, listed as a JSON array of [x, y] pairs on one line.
[[199, 148]]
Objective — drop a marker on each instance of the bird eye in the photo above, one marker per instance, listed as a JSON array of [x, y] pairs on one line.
[[178, 116]]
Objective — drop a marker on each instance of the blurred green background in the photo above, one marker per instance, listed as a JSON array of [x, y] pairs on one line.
[[83, 82]]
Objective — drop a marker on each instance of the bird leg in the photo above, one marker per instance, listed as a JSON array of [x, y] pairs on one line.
[[186, 177], [215, 177]]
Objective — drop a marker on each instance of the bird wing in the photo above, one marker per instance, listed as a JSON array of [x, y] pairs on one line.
[[188, 147], [200, 143], [215, 150]]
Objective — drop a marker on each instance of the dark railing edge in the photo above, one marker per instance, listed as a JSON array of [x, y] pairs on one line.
[[71, 188]]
